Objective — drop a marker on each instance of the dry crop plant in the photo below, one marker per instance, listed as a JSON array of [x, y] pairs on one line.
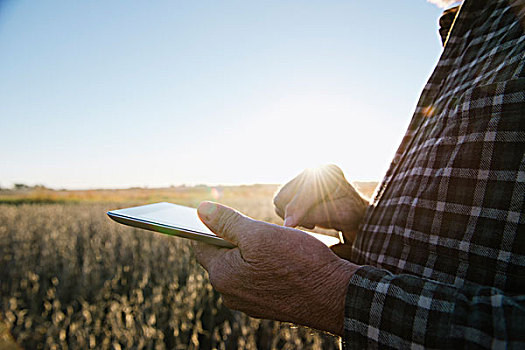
[[71, 278]]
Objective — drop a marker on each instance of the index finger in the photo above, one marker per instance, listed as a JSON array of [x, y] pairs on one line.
[[206, 254], [297, 208], [318, 184], [286, 194]]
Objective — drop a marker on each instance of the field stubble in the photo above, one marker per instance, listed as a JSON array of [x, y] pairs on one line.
[[72, 278]]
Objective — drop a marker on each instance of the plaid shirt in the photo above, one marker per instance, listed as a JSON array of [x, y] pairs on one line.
[[443, 244]]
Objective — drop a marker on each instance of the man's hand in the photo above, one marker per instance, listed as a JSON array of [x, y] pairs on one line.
[[275, 272], [322, 197]]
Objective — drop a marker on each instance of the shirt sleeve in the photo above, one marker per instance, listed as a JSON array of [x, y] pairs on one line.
[[408, 312]]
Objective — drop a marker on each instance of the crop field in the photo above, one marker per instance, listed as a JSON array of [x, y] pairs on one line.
[[72, 278]]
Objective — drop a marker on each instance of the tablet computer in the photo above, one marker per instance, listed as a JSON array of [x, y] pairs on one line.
[[178, 220]]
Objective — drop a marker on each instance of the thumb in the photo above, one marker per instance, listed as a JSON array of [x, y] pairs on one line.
[[225, 222]]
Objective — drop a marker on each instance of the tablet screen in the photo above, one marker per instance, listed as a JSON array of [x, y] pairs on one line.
[[168, 214]]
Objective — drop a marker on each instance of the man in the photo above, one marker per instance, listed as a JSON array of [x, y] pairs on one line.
[[438, 259]]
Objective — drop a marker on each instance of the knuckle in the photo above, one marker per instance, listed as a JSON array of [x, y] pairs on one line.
[[334, 168], [278, 195], [217, 282], [279, 212], [334, 173], [229, 220], [200, 257], [277, 202], [283, 195]]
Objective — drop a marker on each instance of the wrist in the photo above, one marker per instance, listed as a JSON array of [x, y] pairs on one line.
[[330, 295], [339, 281]]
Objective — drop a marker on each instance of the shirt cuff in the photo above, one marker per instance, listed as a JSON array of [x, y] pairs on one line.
[[400, 311]]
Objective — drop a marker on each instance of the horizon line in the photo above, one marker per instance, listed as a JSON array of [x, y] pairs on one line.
[[149, 187]]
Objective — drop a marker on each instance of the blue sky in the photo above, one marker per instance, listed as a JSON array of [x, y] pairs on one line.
[[132, 93]]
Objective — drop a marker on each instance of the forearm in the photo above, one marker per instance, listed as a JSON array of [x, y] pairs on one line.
[[324, 304]]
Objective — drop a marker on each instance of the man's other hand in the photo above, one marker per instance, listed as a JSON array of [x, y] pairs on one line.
[[322, 197], [275, 272]]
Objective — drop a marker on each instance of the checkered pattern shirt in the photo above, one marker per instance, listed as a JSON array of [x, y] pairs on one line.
[[443, 243]]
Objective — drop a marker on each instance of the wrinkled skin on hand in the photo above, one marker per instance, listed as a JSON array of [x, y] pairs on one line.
[[275, 272], [322, 197]]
